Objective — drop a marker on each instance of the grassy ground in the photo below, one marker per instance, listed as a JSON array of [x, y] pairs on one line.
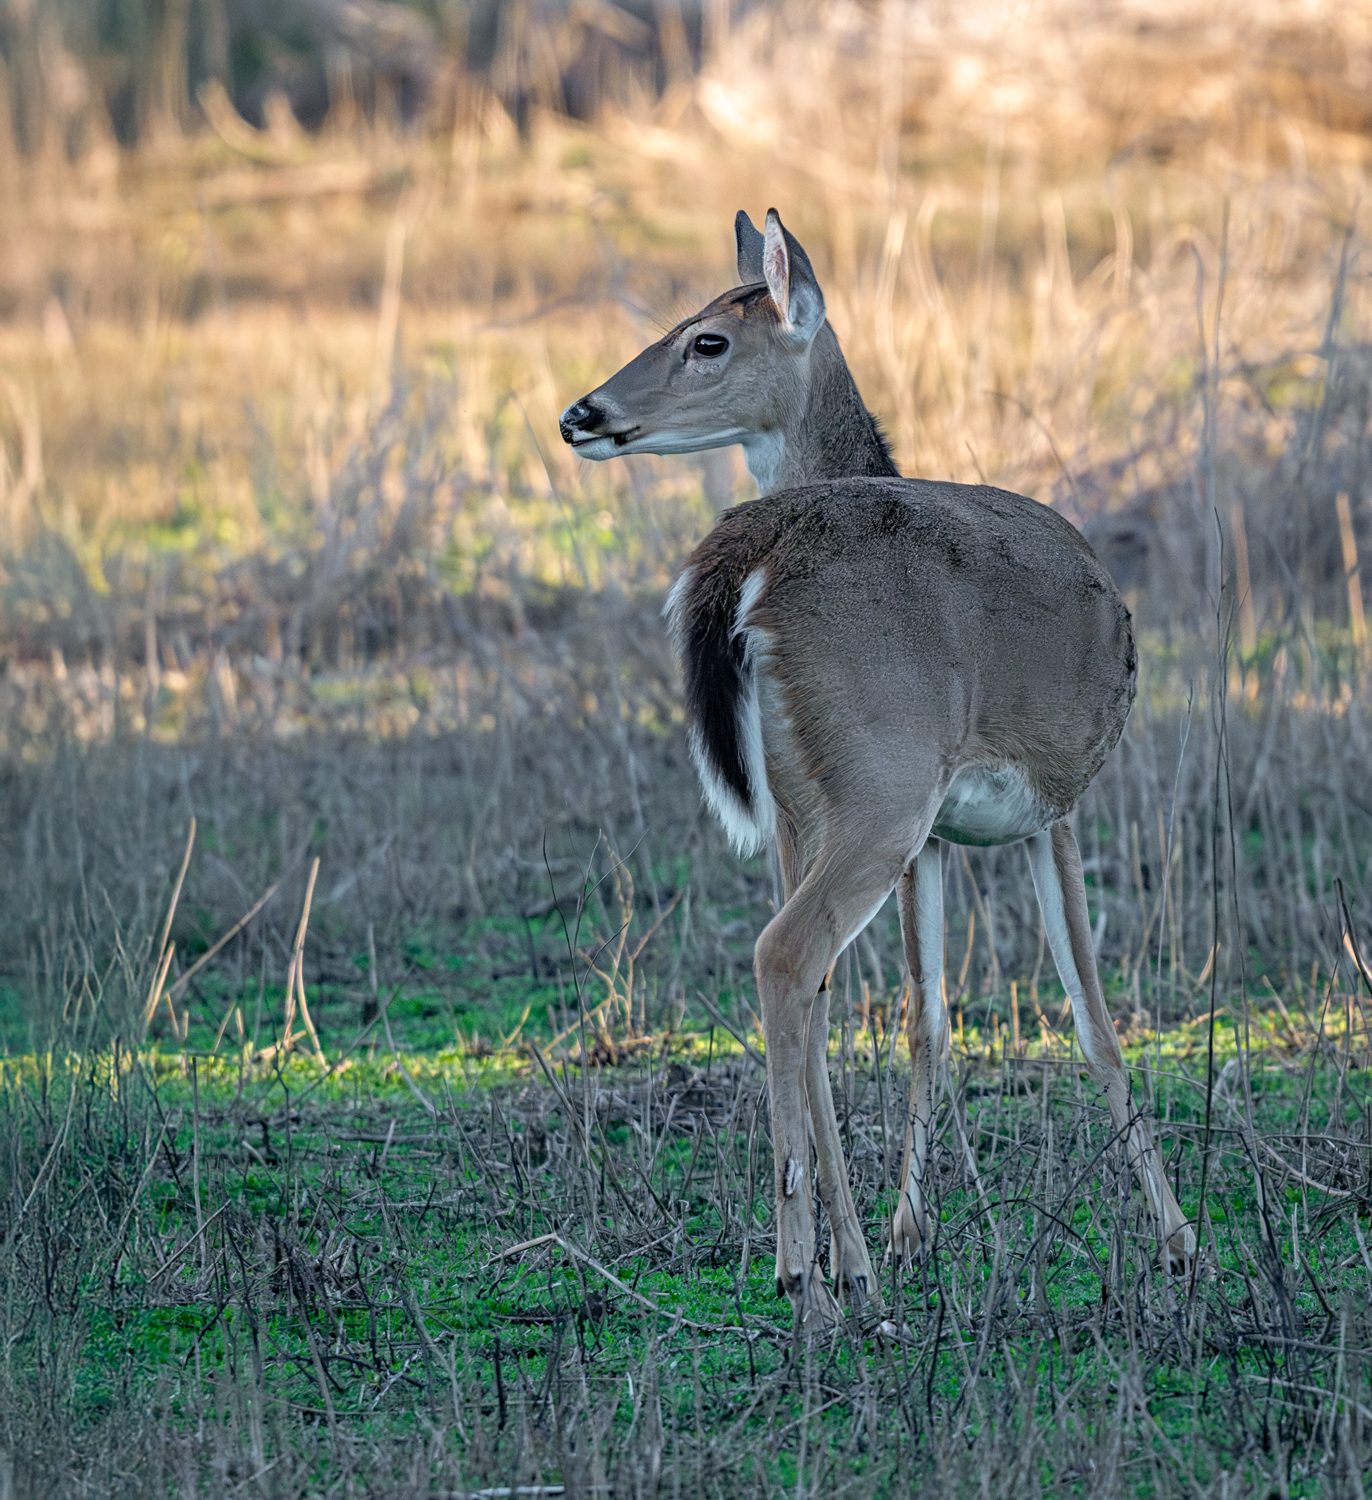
[[438, 1270], [289, 547]]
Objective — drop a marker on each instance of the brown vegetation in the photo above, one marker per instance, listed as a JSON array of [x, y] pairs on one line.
[[288, 543], [278, 454]]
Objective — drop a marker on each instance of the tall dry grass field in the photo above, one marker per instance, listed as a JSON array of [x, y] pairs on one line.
[[290, 547]]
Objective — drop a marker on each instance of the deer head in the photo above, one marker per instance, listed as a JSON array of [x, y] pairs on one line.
[[749, 368]]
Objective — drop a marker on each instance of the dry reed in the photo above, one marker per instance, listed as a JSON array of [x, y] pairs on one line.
[[291, 549]]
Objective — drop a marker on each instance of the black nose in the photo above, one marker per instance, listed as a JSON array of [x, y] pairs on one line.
[[579, 417]]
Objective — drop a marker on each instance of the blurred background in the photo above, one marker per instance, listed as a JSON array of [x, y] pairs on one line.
[[291, 295]]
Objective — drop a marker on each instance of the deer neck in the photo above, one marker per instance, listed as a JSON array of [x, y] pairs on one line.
[[831, 436]]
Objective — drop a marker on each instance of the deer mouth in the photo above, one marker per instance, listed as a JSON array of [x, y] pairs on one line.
[[589, 440], [617, 438]]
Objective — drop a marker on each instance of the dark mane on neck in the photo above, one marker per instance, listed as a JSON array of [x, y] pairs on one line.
[[882, 442], [850, 440]]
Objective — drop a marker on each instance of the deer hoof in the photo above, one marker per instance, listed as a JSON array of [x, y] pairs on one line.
[[853, 1291], [1179, 1251], [909, 1233], [854, 1280], [818, 1309]]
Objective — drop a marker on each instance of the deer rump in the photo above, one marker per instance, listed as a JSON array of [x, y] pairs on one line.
[[840, 641]]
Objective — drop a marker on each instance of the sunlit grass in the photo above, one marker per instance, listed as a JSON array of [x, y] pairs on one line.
[[292, 1223], [290, 544]]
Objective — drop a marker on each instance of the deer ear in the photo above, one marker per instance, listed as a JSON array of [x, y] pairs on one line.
[[748, 243], [791, 281]]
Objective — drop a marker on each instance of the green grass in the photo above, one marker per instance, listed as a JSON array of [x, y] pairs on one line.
[[355, 1304]]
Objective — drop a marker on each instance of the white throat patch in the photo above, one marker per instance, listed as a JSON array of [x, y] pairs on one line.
[[764, 453]]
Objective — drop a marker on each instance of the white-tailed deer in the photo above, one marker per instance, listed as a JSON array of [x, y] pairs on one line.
[[873, 665]]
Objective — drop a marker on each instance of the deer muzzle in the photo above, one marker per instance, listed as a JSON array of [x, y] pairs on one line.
[[592, 430]]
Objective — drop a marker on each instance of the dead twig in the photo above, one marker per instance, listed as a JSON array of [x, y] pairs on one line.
[[166, 948]]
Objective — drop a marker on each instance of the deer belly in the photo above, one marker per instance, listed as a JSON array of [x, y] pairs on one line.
[[988, 806]]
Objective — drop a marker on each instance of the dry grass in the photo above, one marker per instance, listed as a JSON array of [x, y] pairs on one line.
[[233, 1278], [1010, 237], [290, 545], [281, 459]]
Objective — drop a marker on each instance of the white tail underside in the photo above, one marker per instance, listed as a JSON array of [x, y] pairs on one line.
[[749, 825]]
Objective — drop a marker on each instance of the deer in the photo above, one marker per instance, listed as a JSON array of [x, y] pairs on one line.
[[873, 667]]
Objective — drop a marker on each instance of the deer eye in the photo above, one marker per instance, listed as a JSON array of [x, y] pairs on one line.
[[709, 345]]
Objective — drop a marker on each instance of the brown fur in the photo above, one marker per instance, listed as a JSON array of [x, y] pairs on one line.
[[897, 608]]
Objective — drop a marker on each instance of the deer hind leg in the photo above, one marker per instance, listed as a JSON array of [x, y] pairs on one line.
[[1055, 862], [920, 894], [837, 897], [849, 1264]]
